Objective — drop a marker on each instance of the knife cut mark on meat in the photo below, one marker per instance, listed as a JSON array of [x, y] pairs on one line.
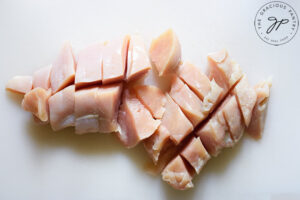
[[181, 128]]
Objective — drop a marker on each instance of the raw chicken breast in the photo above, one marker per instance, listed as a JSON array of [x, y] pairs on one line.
[[20, 84], [87, 110], [225, 71], [234, 118], [195, 79], [96, 108], [63, 69], [136, 122], [176, 122], [36, 101], [138, 63], [174, 126], [176, 173], [109, 102], [195, 154], [41, 78], [89, 66], [256, 125], [246, 97], [189, 103], [61, 107], [114, 60], [165, 52], [212, 99], [152, 98], [214, 134]]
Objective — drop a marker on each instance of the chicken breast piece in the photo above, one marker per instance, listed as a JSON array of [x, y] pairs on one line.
[[214, 134], [96, 108], [153, 99], [89, 65], [234, 118], [136, 122], [256, 125], [225, 71], [195, 154], [189, 103], [36, 102], [41, 77], [138, 63], [195, 79], [246, 97], [156, 142], [61, 108], [165, 52], [115, 60], [19, 84], [109, 102], [176, 173], [176, 122], [63, 69], [212, 99]]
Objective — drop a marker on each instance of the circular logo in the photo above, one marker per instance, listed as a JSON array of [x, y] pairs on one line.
[[276, 23]]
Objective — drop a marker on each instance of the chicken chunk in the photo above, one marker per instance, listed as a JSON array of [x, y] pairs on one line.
[[214, 134], [195, 154], [136, 122], [61, 107], [41, 78], [256, 125], [138, 63], [189, 103], [195, 79], [212, 99], [115, 60], [234, 118], [225, 71], [36, 101], [19, 84], [89, 65], [246, 97], [63, 69], [176, 173], [165, 52], [152, 98]]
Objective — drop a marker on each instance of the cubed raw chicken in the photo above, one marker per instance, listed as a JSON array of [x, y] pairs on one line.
[[165, 52], [89, 65], [214, 96], [63, 69], [138, 63], [246, 97], [177, 174], [36, 101], [153, 98], [225, 71], [234, 118], [136, 122], [195, 154], [96, 108], [61, 108], [214, 134], [109, 102], [41, 77], [20, 84], [189, 103], [114, 60], [256, 125], [174, 126], [195, 79]]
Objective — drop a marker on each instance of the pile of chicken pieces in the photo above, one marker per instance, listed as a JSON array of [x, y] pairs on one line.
[[98, 91]]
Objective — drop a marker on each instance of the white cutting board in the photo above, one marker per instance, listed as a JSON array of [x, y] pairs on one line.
[[36, 163]]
